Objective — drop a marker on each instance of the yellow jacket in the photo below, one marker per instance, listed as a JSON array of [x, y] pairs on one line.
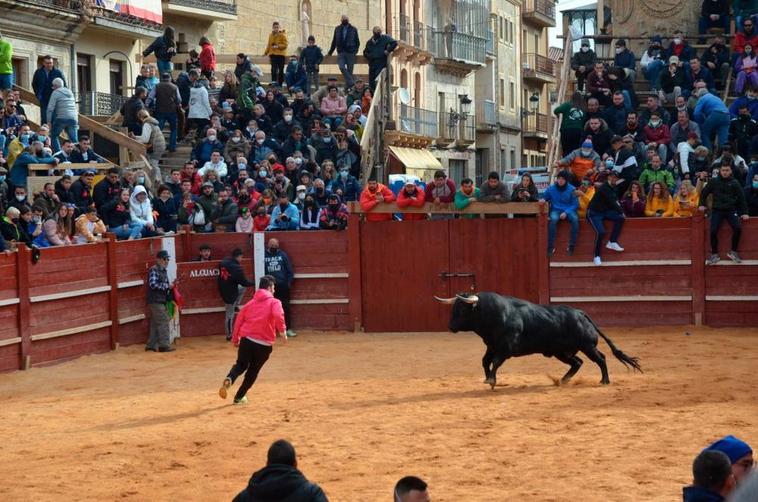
[[653, 205], [584, 202], [14, 150], [682, 211], [278, 39]]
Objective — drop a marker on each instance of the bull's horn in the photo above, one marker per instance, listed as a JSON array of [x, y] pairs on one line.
[[468, 299], [448, 301]]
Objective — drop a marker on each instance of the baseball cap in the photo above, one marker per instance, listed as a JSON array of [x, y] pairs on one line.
[[673, 60], [163, 255], [301, 188]]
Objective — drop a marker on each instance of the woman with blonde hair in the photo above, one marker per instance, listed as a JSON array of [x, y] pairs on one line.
[[686, 200], [211, 176], [659, 202]]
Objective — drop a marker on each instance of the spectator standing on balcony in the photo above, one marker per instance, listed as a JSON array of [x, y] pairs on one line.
[[62, 114], [583, 62], [563, 206], [6, 64], [713, 14], [276, 50], [207, 57], [130, 108], [572, 122], [376, 51], [157, 294], [372, 195], [277, 265], [232, 282], [164, 48], [345, 40], [728, 203], [166, 101], [605, 206], [713, 116], [42, 83]]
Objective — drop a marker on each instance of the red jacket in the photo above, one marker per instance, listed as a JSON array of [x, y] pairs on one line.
[[404, 200], [368, 202], [429, 193], [207, 58], [741, 39], [196, 181], [660, 134], [260, 319]]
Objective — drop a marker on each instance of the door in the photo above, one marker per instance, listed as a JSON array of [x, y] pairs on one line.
[[83, 73], [117, 77]]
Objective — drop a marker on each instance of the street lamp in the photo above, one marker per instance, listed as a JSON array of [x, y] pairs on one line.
[[534, 105]]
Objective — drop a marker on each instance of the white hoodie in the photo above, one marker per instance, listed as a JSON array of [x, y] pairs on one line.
[[140, 212]]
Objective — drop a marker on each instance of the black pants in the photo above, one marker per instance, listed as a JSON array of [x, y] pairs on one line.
[[717, 218], [277, 69], [251, 357], [282, 293], [571, 139], [375, 67]]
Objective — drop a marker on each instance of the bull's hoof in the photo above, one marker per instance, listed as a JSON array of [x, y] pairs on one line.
[[492, 385], [490, 381], [605, 382]]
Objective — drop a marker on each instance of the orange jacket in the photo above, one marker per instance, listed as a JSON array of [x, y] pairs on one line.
[[278, 39], [369, 202], [404, 200], [685, 211], [584, 202]]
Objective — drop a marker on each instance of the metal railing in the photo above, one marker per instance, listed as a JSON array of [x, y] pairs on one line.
[[72, 5], [457, 126], [417, 121], [404, 29], [458, 46], [225, 6], [543, 7], [422, 36], [100, 10], [467, 130], [99, 103], [486, 110], [489, 47], [534, 64], [536, 122]]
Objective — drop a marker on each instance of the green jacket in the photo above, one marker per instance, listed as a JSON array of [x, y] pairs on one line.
[[573, 118], [728, 195], [247, 88], [6, 54], [650, 176], [462, 201]]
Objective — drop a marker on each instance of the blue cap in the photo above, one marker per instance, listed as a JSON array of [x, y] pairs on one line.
[[734, 448]]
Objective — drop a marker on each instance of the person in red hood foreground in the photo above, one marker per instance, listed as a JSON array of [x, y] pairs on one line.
[[255, 330]]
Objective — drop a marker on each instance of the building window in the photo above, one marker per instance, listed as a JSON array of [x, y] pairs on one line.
[[512, 95], [501, 98], [503, 167], [83, 72], [116, 77], [502, 27], [513, 159], [21, 71], [482, 158]]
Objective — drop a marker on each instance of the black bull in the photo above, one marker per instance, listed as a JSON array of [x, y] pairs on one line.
[[511, 327]]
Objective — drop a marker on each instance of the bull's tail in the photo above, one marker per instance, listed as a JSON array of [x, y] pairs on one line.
[[626, 360]]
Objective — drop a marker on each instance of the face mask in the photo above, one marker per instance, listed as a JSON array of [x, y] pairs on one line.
[[42, 138], [141, 180], [36, 219], [677, 41], [262, 173], [288, 118], [273, 249], [343, 174], [298, 161], [20, 197], [259, 141], [377, 35], [241, 166], [748, 50], [24, 139], [585, 49], [751, 97], [755, 185], [211, 138], [619, 50], [327, 139], [2, 178], [301, 196], [345, 22], [701, 159], [586, 152], [655, 123], [236, 139]]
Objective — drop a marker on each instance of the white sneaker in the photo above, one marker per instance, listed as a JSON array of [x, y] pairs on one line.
[[597, 261], [614, 246]]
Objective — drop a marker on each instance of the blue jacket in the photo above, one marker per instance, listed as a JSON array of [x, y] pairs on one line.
[[564, 201], [278, 266], [311, 56], [752, 105], [625, 60], [292, 222], [295, 76], [706, 105], [202, 152], [42, 83], [20, 170], [698, 494], [351, 188]]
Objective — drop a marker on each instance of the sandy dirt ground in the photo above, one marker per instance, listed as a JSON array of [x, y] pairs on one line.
[[364, 410]]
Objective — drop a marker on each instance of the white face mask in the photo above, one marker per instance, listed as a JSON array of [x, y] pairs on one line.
[[259, 141], [585, 48], [301, 195], [211, 138], [619, 50], [236, 139], [586, 151], [655, 123], [262, 173], [288, 118], [20, 197], [677, 41], [298, 161]]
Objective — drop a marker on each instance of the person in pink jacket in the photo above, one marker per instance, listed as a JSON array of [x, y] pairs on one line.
[[333, 108], [255, 330]]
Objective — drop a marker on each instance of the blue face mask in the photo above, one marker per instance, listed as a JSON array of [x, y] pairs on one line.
[[42, 138], [2, 178], [755, 184], [24, 139]]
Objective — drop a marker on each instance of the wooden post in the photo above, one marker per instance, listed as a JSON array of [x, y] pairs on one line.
[[543, 262], [23, 259], [123, 152], [187, 242], [354, 280], [697, 267], [113, 294]]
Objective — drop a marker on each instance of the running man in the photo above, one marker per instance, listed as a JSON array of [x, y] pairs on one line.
[[231, 284], [255, 330]]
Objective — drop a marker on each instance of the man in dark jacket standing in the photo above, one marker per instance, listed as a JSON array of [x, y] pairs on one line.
[[231, 284], [42, 83], [278, 266], [280, 480], [158, 287], [377, 49], [346, 41], [728, 202], [605, 206], [166, 100], [131, 107]]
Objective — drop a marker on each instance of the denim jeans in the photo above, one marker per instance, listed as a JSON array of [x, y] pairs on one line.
[[555, 217], [71, 127], [334, 122], [346, 62], [312, 75], [652, 71], [6, 81], [717, 122], [172, 119], [596, 220], [164, 67], [133, 231]]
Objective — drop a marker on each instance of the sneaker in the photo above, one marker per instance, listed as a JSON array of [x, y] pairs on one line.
[[614, 246], [732, 255], [242, 400], [290, 334], [224, 386], [597, 261], [713, 259], [570, 250], [550, 252]]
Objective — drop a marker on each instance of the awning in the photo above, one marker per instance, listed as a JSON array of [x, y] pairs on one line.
[[415, 159]]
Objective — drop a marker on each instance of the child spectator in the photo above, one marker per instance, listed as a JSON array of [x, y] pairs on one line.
[[659, 202], [746, 68], [207, 57], [166, 211], [262, 220], [244, 222], [276, 50], [633, 202], [334, 216], [311, 57]]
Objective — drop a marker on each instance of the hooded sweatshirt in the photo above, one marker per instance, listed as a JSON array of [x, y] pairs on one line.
[[280, 483], [259, 320], [141, 212]]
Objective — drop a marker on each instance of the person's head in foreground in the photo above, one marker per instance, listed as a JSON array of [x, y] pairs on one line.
[[411, 489], [712, 478], [740, 455]]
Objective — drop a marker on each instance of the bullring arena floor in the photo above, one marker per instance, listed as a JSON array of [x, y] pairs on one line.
[[363, 410]]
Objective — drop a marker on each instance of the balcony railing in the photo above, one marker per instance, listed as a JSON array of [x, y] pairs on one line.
[[537, 65], [422, 36], [405, 29], [72, 5], [543, 7], [417, 121], [458, 46], [486, 110], [489, 47], [99, 103], [99, 10], [225, 6], [457, 126], [536, 123]]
